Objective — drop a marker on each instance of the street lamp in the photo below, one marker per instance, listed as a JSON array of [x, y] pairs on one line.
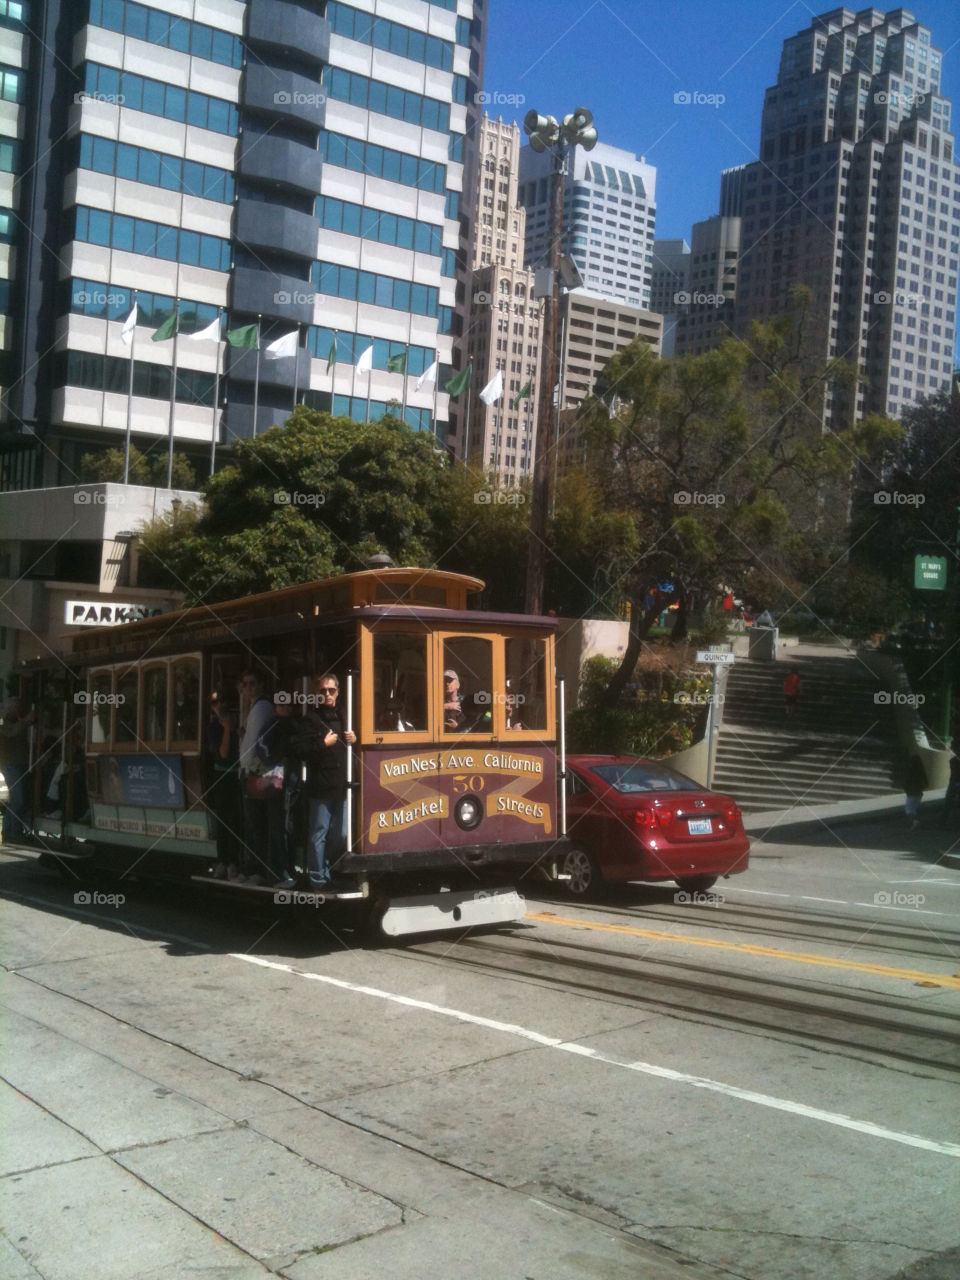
[[545, 134]]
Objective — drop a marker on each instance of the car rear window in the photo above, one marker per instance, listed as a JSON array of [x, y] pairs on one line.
[[631, 778]]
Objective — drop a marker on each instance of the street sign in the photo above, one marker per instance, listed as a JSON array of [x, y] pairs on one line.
[[930, 573], [713, 656]]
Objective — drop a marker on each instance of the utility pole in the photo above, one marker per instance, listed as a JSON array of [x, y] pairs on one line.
[[546, 134]]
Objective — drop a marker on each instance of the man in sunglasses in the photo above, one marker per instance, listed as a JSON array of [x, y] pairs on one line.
[[323, 744]]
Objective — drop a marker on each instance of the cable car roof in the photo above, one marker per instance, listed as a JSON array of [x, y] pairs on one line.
[[430, 592]]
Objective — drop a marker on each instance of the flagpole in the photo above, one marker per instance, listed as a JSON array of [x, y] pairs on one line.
[[256, 380], [353, 376], [369, 381], [436, 384], [469, 390], [403, 402], [126, 440], [296, 368], [173, 392], [216, 400], [496, 455]]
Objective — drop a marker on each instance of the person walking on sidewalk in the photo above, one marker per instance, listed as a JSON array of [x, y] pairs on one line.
[[914, 787]]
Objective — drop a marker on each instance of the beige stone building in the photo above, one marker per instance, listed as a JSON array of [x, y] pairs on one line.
[[594, 330], [504, 326]]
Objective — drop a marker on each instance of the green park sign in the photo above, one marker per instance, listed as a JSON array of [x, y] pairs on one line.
[[930, 573]]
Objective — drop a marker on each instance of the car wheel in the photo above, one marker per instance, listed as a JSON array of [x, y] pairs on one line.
[[585, 877], [696, 884]]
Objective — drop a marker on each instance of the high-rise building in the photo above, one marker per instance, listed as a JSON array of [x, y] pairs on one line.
[[731, 191], [857, 195], [704, 316], [504, 326], [670, 278], [297, 167], [594, 330], [609, 218]]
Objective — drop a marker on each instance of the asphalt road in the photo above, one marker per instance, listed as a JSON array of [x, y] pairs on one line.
[[761, 1084]]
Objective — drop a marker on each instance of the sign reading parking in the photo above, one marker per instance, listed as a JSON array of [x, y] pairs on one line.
[[930, 573]]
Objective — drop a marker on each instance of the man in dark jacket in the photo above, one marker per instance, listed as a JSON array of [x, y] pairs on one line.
[[323, 743]]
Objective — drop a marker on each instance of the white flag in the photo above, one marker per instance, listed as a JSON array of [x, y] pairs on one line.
[[428, 375], [126, 333], [492, 392], [210, 334], [284, 348], [365, 363]]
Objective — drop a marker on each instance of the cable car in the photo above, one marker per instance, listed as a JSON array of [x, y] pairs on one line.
[[453, 784]]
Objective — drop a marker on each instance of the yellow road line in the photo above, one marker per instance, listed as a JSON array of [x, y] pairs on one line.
[[749, 949]]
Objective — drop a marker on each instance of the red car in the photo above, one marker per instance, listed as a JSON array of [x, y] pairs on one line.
[[633, 819]]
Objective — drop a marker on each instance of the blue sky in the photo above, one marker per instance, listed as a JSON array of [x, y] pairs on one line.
[[625, 60]]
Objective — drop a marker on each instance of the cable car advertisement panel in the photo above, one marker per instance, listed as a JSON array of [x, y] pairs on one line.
[[465, 794]]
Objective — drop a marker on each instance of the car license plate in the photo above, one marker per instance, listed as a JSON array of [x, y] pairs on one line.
[[700, 826]]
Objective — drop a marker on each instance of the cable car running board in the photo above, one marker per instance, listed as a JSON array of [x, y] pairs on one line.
[[429, 913]]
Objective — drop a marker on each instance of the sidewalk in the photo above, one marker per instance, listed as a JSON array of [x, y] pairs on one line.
[[781, 822]]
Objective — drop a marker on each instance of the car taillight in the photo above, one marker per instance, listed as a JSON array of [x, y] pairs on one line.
[[732, 813], [650, 817]]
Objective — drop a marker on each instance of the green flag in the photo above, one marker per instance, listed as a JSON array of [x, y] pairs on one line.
[[397, 364], [332, 355], [460, 382], [167, 329], [522, 394], [243, 337]]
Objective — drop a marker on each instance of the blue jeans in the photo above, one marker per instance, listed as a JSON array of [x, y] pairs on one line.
[[14, 827], [327, 833]]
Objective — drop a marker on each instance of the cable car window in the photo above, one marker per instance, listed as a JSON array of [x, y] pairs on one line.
[[524, 697], [185, 701], [399, 682], [125, 716], [155, 705], [467, 678], [99, 689]]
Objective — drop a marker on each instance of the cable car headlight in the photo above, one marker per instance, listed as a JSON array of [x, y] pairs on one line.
[[468, 812]]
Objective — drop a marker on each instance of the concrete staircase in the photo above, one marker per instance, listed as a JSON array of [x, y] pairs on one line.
[[840, 745]]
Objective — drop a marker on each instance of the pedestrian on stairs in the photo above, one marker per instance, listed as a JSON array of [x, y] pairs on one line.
[[914, 787], [792, 687]]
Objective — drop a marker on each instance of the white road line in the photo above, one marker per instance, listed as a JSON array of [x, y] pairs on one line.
[[763, 893], [645, 1068], [841, 902]]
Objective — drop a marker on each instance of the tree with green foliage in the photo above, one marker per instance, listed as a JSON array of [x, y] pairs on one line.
[[723, 465], [302, 501]]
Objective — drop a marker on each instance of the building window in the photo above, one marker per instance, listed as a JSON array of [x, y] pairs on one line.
[[143, 23], [159, 99], [386, 99], [382, 162], [153, 239], [103, 155]]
